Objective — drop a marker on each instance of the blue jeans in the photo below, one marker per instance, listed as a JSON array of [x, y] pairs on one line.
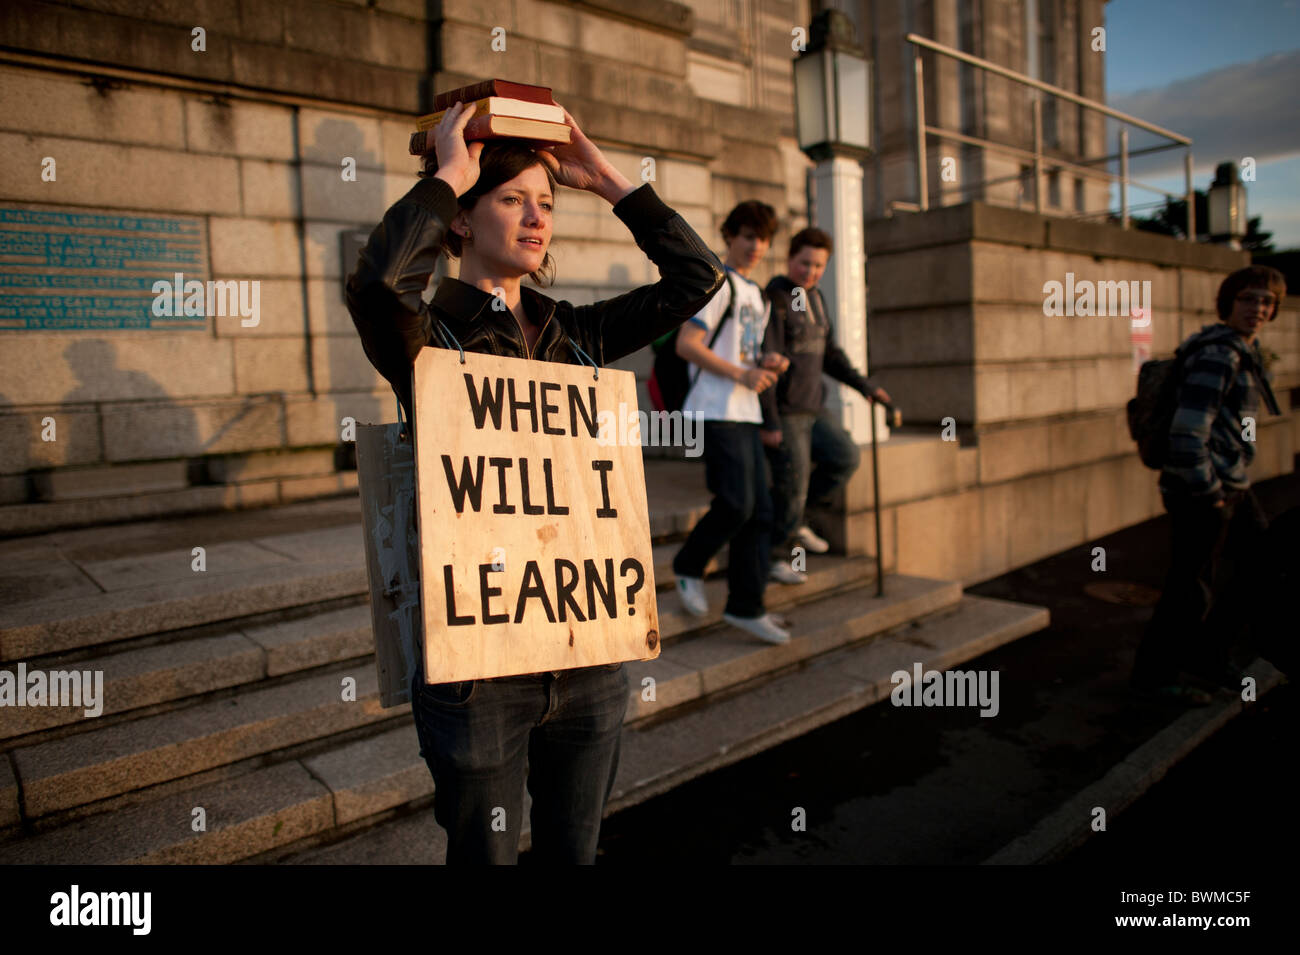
[[808, 440], [481, 738], [741, 512]]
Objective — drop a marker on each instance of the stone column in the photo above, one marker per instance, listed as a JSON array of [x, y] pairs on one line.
[[837, 190]]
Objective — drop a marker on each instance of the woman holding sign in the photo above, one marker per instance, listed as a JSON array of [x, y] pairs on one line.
[[490, 205]]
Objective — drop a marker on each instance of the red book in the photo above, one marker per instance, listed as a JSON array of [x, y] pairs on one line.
[[496, 127], [500, 106], [494, 87]]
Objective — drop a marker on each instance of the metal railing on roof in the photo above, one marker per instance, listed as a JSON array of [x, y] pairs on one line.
[[1082, 168]]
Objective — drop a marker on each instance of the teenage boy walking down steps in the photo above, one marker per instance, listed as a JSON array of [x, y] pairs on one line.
[[727, 380], [811, 455]]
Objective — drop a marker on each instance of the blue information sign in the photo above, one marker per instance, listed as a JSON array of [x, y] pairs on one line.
[[73, 269]]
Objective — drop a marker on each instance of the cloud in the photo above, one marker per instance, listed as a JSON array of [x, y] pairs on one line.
[[1247, 109]]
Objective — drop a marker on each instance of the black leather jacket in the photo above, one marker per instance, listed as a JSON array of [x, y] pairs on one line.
[[383, 291]]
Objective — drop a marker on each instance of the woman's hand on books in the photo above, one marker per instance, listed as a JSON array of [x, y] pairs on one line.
[[457, 160], [578, 164]]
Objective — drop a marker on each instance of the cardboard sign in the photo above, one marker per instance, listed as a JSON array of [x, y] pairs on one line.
[[534, 534]]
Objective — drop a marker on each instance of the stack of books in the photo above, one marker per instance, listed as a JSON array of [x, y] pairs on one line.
[[502, 110]]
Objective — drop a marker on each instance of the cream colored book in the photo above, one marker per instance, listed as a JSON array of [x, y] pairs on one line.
[[496, 127], [501, 106]]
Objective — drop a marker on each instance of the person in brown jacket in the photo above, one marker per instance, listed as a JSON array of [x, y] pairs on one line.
[[490, 205]]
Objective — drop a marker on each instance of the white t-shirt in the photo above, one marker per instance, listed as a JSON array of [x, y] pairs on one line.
[[712, 397]]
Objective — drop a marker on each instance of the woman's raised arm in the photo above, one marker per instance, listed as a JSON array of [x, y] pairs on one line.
[[392, 271], [383, 291], [689, 273]]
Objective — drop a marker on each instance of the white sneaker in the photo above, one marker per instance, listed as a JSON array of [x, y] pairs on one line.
[[811, 542], [691, 592], [764, 627], [783, 573]]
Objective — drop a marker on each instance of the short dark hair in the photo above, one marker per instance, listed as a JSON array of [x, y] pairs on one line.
[[1253, 276], [759, 216], [500, 161], [813, 237]]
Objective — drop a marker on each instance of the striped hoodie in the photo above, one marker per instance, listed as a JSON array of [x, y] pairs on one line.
[[1207, 453]]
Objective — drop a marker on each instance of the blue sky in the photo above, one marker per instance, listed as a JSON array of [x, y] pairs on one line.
[[1226, 74]]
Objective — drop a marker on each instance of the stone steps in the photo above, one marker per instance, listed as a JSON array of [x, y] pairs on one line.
[[149, 675], [41, 628], [244, 578], [164, 673], [270, 807], [161, 503], [165, 498], [100, 762], [343, 784], [661, 754]]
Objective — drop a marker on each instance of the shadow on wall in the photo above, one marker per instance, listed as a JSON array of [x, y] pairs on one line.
[[110, 415], [340, 372], [15, 430], [115, 415], [94, 363], [137, 419]]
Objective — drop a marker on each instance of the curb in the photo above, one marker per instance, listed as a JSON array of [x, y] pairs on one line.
[[1069, 826]]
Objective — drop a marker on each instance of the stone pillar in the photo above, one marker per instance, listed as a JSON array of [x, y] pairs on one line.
[[837, 190]]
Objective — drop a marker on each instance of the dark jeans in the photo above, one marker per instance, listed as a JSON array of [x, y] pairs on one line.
[[1207, 601], [741, 512], [477, 737], [816, 458]]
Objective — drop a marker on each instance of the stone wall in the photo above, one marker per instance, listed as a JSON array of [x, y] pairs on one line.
[[249, 138], [366, 52], [963, 99], [1044, 461]]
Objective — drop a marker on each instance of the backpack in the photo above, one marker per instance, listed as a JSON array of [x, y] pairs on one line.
[[671, 378], [1151, 412]]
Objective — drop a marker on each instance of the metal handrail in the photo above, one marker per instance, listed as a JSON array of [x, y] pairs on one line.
[[1017, 151], [1036, 154], [1047, 161]]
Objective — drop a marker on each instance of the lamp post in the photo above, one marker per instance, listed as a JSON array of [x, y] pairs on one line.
[[833, 124], [1227, 206]]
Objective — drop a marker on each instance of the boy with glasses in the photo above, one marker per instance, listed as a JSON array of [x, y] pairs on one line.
[[1216, 522]]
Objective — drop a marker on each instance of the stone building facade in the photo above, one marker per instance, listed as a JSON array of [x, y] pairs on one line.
[[1048, 40], [229, 150], [239, 139]]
